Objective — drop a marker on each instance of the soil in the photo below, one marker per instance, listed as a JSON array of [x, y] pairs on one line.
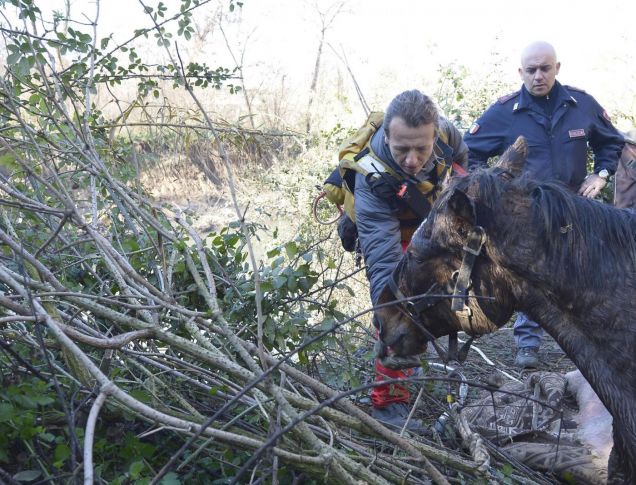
[[500, 348]]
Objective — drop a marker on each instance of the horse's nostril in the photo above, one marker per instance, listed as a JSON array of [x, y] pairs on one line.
[[398, 341], [391, 339]]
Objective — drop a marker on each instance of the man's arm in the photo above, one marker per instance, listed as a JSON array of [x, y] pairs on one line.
[[605, 141], [606, 144], [379, 235], [486, 136]]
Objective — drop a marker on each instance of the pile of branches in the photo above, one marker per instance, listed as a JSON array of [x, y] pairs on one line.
[[111, 295]]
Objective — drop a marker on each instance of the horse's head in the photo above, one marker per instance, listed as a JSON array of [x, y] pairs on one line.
[[452, 255]]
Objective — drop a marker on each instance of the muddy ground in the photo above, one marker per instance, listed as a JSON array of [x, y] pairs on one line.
[[500, 348]]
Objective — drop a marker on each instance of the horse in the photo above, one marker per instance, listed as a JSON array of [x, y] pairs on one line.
[[498, 241]]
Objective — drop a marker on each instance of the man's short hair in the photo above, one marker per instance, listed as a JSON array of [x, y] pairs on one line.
[[414, 107]]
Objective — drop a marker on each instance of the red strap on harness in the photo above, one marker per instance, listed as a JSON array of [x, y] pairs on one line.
[[459, 170]]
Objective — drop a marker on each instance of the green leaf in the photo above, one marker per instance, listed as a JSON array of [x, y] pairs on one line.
[[135, 469], [279, 281], [7, 412], [273, 252], [292, 249], [507, 469], [48, 437], [23, 66], [13, 58], [292, 283], [141, 395], [302, 357], [9, 163], [43, 400], [62, 452], [170, 479], [266, 286], [27, 475]]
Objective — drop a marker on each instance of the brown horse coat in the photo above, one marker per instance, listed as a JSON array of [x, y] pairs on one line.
[[568, 262]]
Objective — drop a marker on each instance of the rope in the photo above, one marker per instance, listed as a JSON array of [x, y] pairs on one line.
[[314, 208]]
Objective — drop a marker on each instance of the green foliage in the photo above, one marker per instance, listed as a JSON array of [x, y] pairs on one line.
[[462, 98], [288, 278], [334, 137], [21, 414]]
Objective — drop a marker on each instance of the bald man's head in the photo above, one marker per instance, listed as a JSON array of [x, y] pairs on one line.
[[539, 68]]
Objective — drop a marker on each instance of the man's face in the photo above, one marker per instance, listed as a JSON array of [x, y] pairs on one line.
[[538, 70], [411, 147]]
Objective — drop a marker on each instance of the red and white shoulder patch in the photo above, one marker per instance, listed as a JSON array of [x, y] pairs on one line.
[[474, 128]]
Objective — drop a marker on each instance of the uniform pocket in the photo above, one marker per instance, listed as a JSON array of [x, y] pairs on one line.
[[576, 148], [573, 167]]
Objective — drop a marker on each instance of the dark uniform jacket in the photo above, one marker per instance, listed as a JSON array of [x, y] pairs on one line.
[[558, 143]]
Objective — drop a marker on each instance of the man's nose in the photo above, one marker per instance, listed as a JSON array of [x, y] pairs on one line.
[[411, 157]]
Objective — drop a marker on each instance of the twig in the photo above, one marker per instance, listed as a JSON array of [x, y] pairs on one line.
[[89, 435]]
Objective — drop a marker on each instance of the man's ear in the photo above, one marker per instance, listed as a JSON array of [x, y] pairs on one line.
[[514, 158], [462, 207]]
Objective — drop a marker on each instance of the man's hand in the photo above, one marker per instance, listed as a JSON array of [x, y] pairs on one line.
[[592, 186]]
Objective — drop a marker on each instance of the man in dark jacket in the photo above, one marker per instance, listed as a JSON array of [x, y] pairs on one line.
[[410, 143], [559, 123]]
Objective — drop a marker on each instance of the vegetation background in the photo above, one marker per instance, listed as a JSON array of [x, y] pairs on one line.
[[170, 310]]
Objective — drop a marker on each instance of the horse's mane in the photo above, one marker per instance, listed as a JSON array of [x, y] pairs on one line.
[[586, 243]]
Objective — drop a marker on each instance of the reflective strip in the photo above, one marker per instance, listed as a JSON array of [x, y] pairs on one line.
[[370, 164]]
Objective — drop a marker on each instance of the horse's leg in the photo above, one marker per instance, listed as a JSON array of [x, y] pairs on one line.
[[619, 470]]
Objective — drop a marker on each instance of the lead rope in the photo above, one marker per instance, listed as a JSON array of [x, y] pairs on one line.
[[314, 209]]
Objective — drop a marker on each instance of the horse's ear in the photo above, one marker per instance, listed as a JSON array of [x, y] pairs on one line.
[[462, 207], [514, 158]]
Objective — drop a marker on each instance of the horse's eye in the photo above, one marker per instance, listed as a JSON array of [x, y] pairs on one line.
[[416, 256]]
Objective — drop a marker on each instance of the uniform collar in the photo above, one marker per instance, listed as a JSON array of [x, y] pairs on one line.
[[526, 100]]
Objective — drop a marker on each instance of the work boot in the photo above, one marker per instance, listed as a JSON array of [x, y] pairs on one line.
[[527, 357], [394, 415]]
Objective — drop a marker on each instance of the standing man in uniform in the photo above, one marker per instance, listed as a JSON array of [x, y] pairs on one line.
[[422, 149], [559, 123]]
